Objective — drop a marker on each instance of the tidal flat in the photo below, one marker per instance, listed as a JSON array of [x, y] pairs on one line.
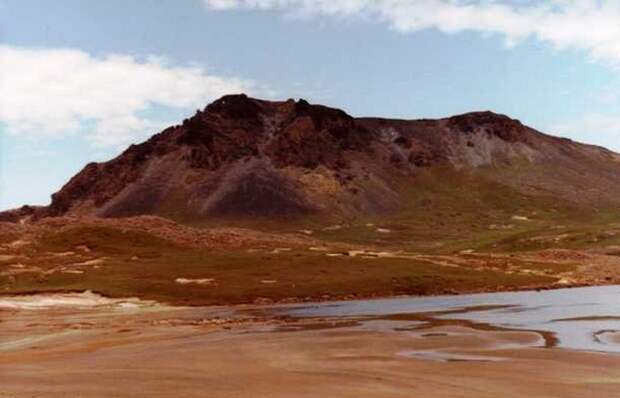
[[482, 345]]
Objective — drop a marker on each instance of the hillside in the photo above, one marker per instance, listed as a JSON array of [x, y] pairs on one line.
[[259, 201]]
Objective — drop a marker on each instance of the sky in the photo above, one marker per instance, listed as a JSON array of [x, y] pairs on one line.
[[82, 79]]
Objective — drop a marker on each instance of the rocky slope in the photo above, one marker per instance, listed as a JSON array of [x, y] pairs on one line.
[[242, 157]]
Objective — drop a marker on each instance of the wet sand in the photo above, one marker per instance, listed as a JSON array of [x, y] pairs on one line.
[[165, 352]]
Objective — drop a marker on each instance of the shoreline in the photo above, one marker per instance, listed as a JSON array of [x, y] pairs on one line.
[[147, 354], [310, 300]]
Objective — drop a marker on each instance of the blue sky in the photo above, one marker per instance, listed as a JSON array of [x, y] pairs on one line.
[[83, 79]]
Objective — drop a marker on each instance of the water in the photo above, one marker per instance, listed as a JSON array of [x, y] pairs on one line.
[[580, 318]]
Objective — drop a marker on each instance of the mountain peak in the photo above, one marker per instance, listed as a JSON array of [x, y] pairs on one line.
[[502, 126], [236, 106]]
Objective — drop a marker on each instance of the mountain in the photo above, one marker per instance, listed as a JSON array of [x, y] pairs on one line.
[[243, 158], [253, 201]]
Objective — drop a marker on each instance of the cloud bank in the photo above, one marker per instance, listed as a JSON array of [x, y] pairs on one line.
[[592, 26], [63, 91]]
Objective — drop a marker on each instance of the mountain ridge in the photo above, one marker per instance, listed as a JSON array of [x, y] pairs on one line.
[[245, 157]]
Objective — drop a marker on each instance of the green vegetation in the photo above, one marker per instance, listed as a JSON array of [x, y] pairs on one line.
[[447, 212], [444, 211], [138, 264]]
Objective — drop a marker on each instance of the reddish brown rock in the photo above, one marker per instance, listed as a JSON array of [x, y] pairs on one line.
[[244, 157]]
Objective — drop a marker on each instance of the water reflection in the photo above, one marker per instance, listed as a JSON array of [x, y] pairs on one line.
[[581, 318]]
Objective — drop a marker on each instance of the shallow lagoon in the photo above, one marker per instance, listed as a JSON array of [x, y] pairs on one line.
[[579, 318]]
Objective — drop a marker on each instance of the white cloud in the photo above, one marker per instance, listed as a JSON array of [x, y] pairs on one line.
[[596, 128], [592, 26], [64, 91]]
